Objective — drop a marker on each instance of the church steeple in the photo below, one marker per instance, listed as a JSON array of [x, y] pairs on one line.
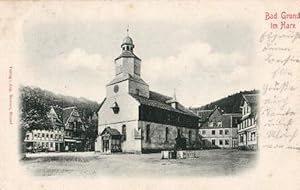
[[127, 44], [128, 73], [128, 62]]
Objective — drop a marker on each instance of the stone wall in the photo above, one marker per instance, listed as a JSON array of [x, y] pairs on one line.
[[157, 137]]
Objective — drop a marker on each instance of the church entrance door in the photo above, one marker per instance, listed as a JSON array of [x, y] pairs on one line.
[[105, 146]]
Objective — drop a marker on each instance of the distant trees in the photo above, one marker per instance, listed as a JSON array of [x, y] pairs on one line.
[[230, 104]]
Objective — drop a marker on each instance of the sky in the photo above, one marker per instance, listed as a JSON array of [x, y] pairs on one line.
[[203, 61]]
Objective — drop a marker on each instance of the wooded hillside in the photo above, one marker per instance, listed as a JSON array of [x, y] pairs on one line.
[[230, 104]]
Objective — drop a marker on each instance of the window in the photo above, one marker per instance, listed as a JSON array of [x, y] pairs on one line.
[[220, 142], [51, 144], [190, 137], [213, 132], [138, 92], [221, 132], [51, 136], [252, 136], [213, 142], [167, 133], [148, 133], [47, 135], [219, 123], [226, 142], [43, 135], [241, 138], [178, 132], [226, 132], [35, 135], [203, 132], [124, 132]]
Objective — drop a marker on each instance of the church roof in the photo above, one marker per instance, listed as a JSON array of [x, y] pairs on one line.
[[159, 101], [127, 77], [127, 54]]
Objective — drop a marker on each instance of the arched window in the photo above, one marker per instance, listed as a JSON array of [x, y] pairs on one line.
[[124, 132], [167, 133], [148, 133]]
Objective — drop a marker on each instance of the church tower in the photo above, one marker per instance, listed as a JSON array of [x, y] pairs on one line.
[[128, 73]]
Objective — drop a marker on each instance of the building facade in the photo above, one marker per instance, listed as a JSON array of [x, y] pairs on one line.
[[248, 127], [219, 130], [134, 119], [67, 132], [45, 140]]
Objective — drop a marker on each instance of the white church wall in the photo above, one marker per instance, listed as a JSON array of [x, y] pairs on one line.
[[128, 115], [122, 89]]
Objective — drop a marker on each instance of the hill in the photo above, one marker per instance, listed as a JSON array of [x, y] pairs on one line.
[[230, 104]]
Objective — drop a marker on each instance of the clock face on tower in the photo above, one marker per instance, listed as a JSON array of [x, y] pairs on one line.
[[116, 88]]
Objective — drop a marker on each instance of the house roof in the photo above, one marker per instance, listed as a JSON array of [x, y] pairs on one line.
[[111, 131], [204, 114], [64, 113], [225, 118], [158, 100], [67, 113], [252, 100]]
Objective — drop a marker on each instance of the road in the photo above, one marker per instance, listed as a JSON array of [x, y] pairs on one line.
[[208, 163]]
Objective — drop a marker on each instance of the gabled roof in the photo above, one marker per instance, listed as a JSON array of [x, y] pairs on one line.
[[252, 101], [158, 100], [67, 113], [111, 131], [64, 113], [204, 114]]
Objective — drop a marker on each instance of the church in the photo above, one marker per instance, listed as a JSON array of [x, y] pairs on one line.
[[134, 119]]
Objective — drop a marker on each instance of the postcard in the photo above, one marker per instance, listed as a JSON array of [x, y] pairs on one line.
[[150, 95]]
